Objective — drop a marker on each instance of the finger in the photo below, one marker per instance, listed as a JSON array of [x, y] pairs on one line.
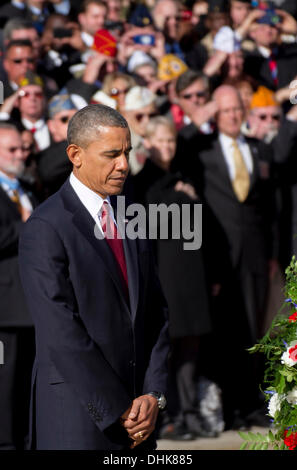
[[134, 409]]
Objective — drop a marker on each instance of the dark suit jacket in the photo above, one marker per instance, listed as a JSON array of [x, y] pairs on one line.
[[53, 167], [246, 232], [94, 353], [13, 310], [257, 66]]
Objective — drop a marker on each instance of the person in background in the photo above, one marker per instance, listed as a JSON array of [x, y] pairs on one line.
[[53, 166], [100, 316], [193, 95], [91, 18], [240, 194], [116, 85], [183, 276], [18, 59], [20, 28], [16, 327], [140, 107]]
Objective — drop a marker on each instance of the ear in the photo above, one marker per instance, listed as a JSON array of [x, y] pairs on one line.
[[75, 155], [80, 18]]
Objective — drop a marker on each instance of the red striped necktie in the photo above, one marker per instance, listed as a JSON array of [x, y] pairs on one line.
[[273, 69], [115, 243]]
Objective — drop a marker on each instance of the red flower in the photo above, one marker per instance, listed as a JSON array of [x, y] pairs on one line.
[[293, 353], [293, 317], [291, 440]]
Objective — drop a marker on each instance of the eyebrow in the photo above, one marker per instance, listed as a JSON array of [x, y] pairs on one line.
[[111, 152]]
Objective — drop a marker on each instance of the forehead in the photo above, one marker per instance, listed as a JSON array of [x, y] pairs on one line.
[[145, 109], [266, 109], [168, 7], [161, 130], [94, 9], [33, 88], [64, 112], [227, 99], [110, 138], [24, 33], [9, 137], [18, 51], [197, 84]]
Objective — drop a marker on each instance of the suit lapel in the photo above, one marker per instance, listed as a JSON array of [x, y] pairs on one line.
[[86, 225], [254, 153], [8, 202], [223, 168], [130, 250]]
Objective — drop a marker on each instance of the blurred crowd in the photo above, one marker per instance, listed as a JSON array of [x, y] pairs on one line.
[[209, 91]]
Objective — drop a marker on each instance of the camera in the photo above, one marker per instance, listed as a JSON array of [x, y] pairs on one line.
[[60, 33], [144, 39]]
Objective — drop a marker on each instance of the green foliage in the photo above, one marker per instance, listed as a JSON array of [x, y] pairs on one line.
[[279, 377]]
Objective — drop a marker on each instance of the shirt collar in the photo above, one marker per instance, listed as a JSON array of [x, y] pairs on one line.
[[91, 200], [264, 51], [30, 125], [229, 140], [11, 183]]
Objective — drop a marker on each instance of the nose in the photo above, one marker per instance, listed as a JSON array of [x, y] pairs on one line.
[[122, 163]]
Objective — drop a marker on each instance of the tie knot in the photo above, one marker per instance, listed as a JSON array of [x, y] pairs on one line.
[[105, 209]]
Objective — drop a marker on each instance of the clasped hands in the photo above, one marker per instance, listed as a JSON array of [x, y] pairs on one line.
[[140, 418]]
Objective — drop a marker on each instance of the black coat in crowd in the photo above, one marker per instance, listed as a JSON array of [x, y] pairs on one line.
[[182, 272]]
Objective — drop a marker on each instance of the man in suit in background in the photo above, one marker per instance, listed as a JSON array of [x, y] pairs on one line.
[[272, 63], [16, 327], [232, 176], [53, 165], [100, 317]]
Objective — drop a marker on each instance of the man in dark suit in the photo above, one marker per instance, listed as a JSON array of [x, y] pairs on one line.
[[233, 179], [16, 327], [53, 165], [272, 63], [100, 317]]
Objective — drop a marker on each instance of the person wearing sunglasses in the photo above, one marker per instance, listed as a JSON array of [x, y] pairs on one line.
[[27, 106], [16, 327], [53, 165], [264, 119], [140, 107], [192, 90], [18, 59]]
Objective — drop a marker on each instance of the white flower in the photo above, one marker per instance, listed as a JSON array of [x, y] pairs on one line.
[[274, 404], [291, 396], [290, 359]]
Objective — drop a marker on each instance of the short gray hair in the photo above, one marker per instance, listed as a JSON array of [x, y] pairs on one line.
[[16, 24], [84, 125], [8, 126]]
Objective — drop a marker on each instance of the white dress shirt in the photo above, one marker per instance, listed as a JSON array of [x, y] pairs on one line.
[[91, 200], [87, 38], [41, 135], [228, 149], [24, 199]]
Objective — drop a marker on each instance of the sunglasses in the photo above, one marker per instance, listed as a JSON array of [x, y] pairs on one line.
[[115, 92], [64, 119], [139, 117], [198, 94], [26, 94], [14, 149], [264, 117], [19, 61], [176, 17]]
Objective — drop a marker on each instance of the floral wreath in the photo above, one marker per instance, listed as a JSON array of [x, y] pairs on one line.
[[279, 345]]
